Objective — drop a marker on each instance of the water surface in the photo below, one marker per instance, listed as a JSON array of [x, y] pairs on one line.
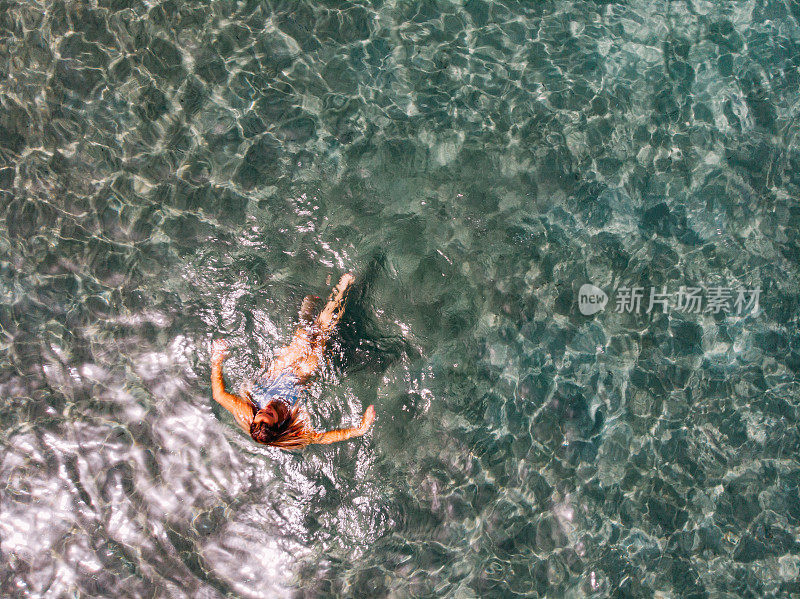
[[172, 172]]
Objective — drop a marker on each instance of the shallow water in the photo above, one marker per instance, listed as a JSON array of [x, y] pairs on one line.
[[175, 172]]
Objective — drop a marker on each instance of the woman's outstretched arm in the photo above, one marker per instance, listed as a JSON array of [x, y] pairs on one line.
[[343, 434], [241, 409]]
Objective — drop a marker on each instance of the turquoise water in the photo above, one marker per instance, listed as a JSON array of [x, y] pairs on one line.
[[174, 172]]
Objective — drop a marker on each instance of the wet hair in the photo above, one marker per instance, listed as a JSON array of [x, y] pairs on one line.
[[289, 432]]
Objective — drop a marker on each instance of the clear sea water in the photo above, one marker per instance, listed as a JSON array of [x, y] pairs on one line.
[[172, 171]]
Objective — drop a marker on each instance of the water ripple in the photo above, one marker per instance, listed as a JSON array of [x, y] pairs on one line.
[[169, 174]]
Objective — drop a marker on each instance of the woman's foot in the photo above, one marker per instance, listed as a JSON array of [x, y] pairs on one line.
[[330, 315], [307, 310]]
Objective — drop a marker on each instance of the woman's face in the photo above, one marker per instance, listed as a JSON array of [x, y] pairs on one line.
[[268, 415]]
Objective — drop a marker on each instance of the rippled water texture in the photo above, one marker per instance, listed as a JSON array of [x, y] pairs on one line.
[[175, 171]]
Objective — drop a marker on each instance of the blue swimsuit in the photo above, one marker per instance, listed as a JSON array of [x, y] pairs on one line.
[[285, 387]]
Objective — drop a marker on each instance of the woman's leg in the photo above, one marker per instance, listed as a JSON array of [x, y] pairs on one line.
[[299, 356], [307, 310], [332, 311], [302, 355], [292, 352]]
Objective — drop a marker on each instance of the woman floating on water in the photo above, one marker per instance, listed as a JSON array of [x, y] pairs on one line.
[[269, 408]]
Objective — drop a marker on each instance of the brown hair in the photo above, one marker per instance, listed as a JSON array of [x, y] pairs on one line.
[[290, 432]]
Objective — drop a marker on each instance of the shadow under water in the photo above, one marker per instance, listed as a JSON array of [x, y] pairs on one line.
[[361, 342]]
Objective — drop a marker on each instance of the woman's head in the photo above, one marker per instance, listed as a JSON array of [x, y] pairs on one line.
[[277, 424]]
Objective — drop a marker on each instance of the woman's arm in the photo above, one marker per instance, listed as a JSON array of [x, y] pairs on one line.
[[241, 409], [343, 434]]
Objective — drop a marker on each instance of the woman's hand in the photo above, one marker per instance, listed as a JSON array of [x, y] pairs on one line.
[[348, 433], [219, 351], [367, 419]]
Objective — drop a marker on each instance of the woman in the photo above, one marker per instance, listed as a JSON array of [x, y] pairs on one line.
[[268, 408]]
